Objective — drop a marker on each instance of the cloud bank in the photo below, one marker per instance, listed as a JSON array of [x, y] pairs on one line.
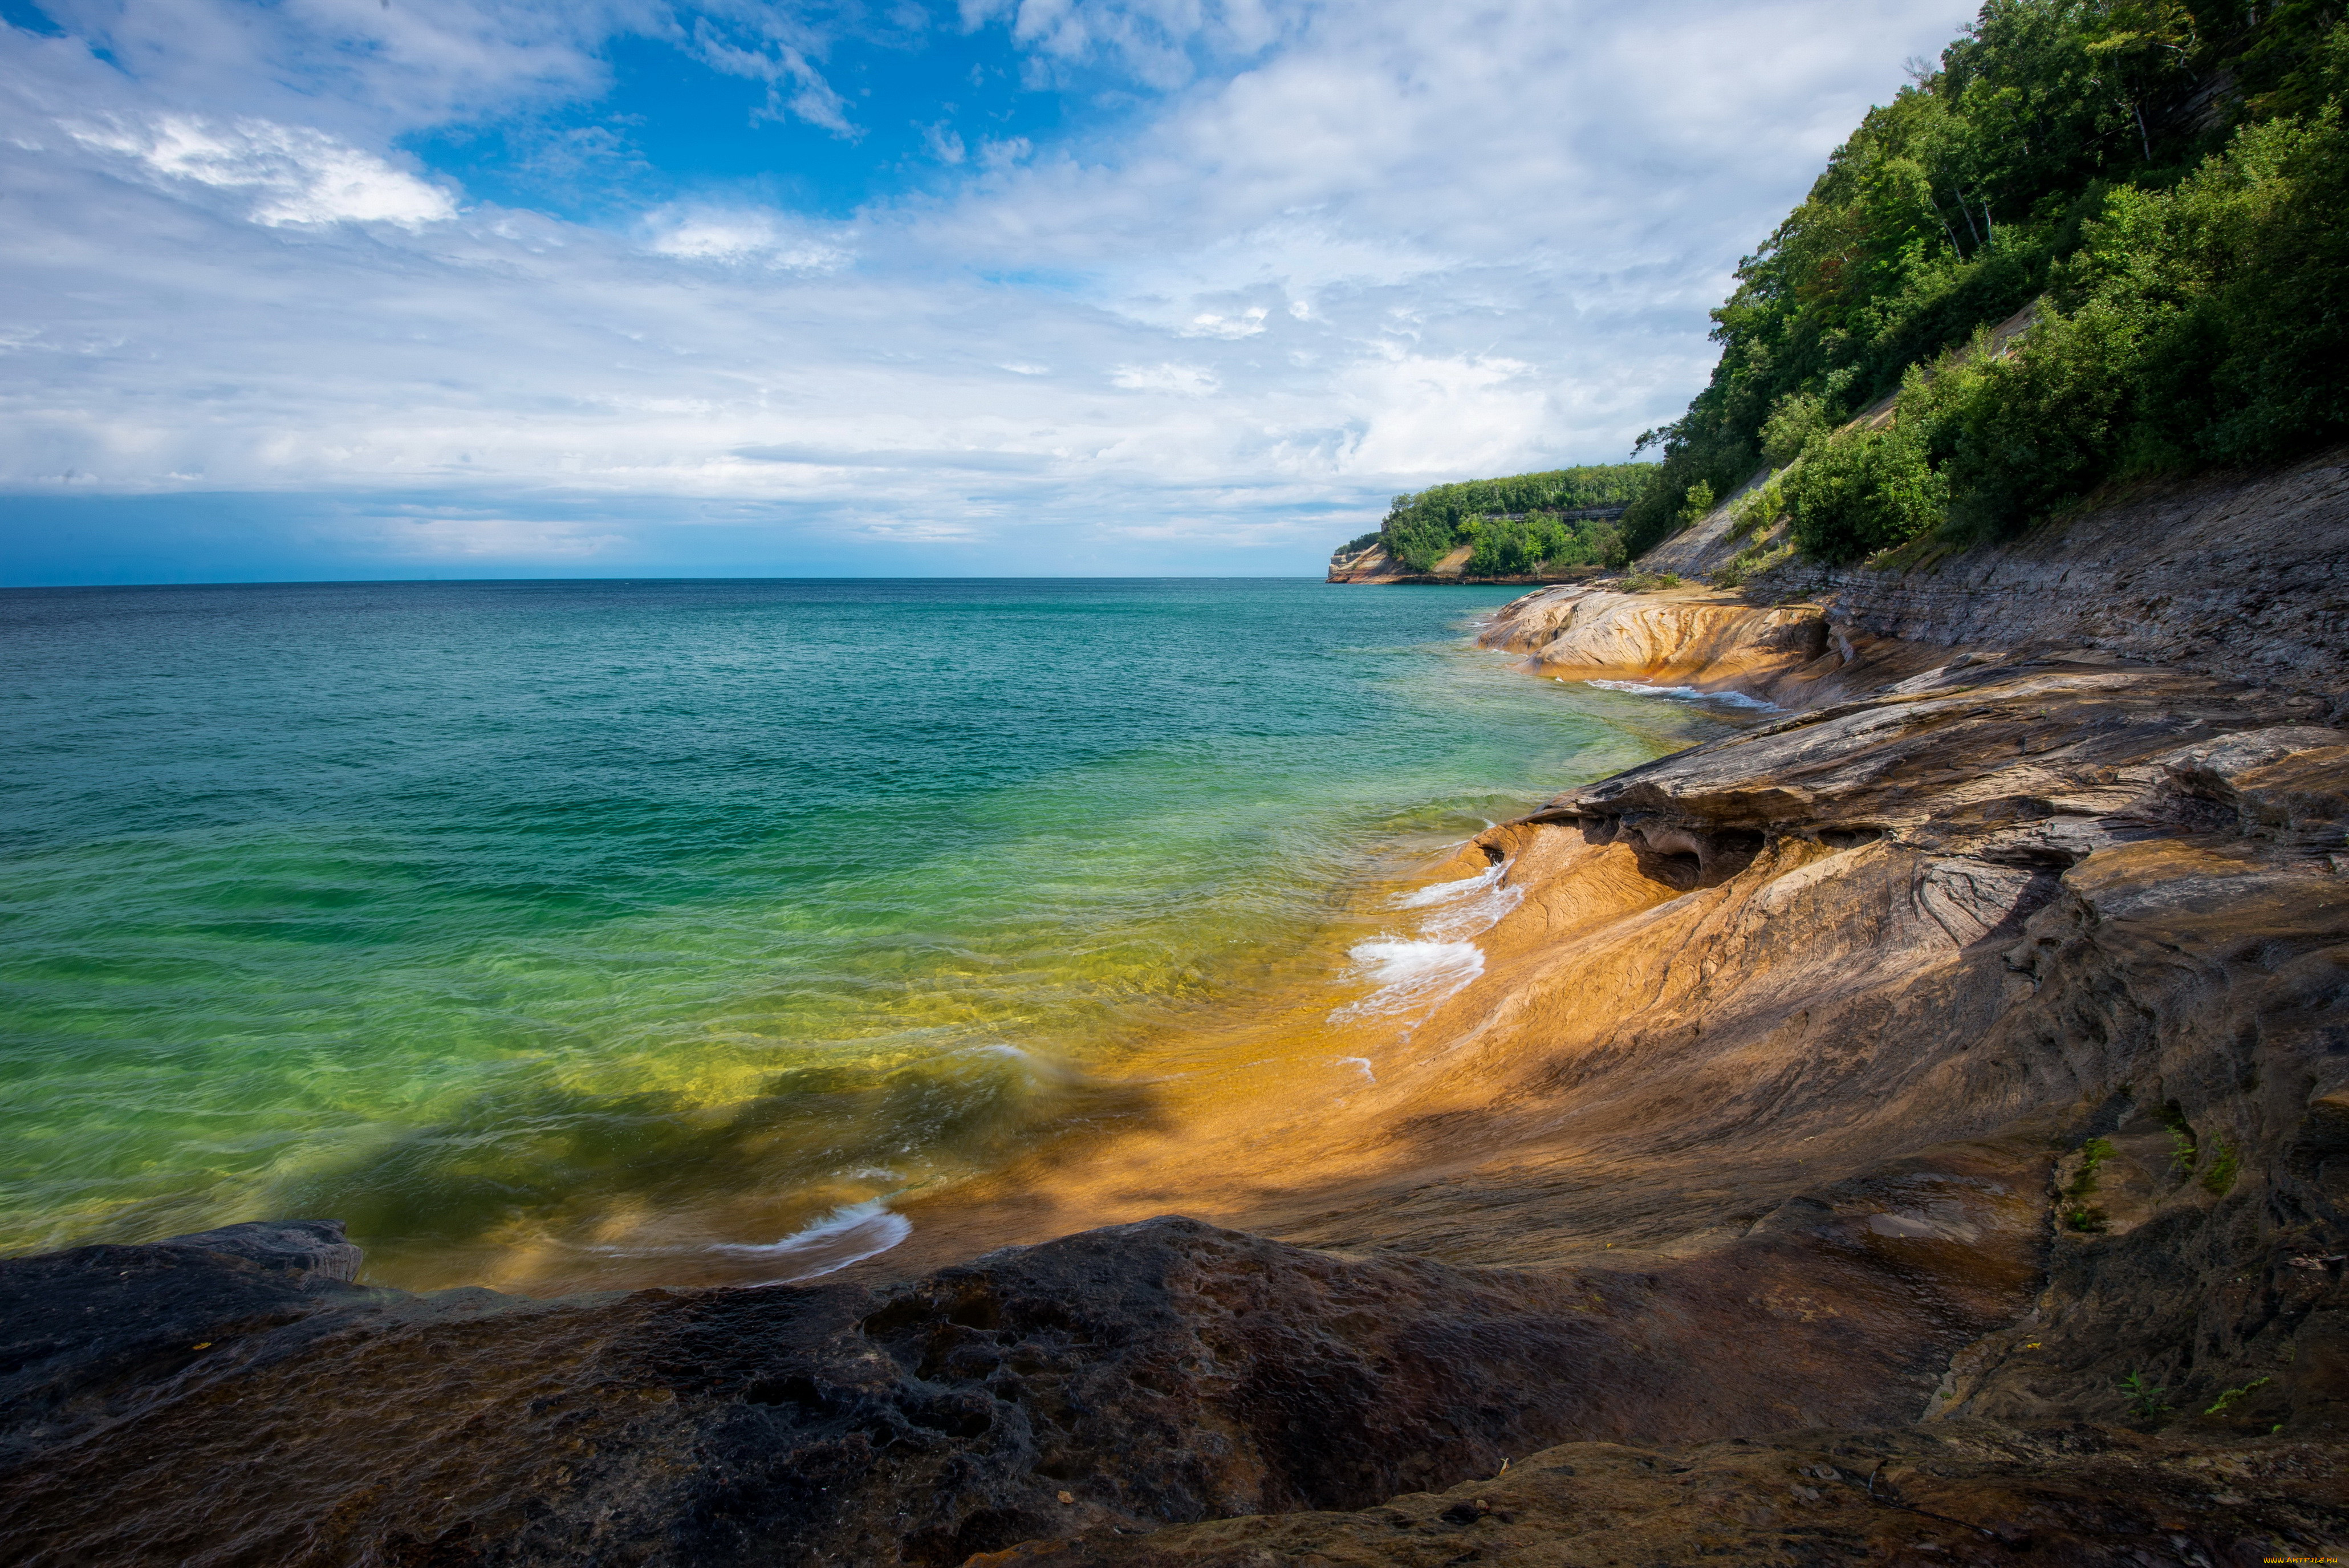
[[1289, 260]]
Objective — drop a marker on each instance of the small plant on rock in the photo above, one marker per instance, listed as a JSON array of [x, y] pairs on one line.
[[2219, 1407], [2226, 1162], [2184, 1149], [1752, 562], [2081, 1214], [2146, 1401]]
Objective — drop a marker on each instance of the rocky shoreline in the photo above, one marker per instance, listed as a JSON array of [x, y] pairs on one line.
[[1914, 1128]]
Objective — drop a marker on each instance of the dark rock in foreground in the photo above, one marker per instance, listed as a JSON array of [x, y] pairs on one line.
[[229, 1397]]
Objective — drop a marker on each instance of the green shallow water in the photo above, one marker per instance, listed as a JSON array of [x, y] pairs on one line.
[[581, 920]]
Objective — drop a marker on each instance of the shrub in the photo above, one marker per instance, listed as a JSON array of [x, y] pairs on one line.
[[2228, 1397], [2084, 1215], [1762, 507], [1798, 416], [1857, 492], [1752, 562]]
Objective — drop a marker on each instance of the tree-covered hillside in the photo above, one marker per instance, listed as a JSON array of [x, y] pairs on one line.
[[2166, 180], [1519, 524]]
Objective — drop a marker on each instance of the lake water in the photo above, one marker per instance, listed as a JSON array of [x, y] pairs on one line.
[[531, 926]]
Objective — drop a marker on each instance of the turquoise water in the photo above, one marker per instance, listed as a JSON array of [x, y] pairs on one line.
[[518, 921]]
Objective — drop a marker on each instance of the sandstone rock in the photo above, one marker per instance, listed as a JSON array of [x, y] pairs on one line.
[[1710, 641]]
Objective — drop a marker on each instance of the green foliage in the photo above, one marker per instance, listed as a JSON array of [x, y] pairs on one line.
[[2226, 1164], [1357, 544], [2145, 1402], [1649, 582], [1508, 547], [1699, 503], [2083, 1215], [1798, 416], [1752, 562], [1761, 507], [2170, 181], [2182, 1152], [2093, 1154], [2219, 1407], [1857, 492], [1420, 529]]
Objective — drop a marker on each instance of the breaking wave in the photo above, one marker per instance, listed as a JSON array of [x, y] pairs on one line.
[[1686, 694], [1412, 976], [847, 1235]]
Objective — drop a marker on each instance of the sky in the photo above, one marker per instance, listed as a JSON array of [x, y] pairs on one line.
[[309, 289]]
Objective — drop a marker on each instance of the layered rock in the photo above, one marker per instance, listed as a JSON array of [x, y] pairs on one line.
[[2234, 576], [1691, 636], [1370, 565]]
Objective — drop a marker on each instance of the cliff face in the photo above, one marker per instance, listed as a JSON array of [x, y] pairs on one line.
[[2242, 579], [2238, 577], [1853, 1120], [1371, 566]]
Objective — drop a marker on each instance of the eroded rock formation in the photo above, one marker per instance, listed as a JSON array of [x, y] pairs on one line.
[[1713, 641]]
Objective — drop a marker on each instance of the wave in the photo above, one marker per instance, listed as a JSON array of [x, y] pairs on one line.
[[847, 1235], [1445, 892], [1411, 975], [1464, 908], [1686, 694]]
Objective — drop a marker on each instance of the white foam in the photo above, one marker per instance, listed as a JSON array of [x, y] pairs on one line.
[[1686, 694], [1445, 892], [1472, 917], [1362, 1062], [1412, 976], [1464, 908], [847, 1235]]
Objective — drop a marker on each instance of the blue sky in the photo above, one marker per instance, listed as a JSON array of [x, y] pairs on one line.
[[408, 288]]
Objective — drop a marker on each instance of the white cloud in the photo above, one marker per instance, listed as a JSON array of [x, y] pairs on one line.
[[360, 71], [1183, 380], [920, 532], [997, 154], [296, 176], [772, 46], [1354, 251], [484, 538], [1162, 43], [1245, 323], [742, 236], [944, 145]]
